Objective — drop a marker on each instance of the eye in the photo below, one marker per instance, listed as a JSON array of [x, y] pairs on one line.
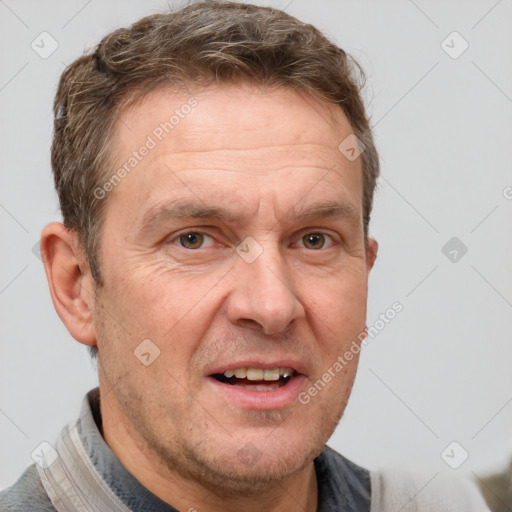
[[314, 240], [195, 239], [191, 239]]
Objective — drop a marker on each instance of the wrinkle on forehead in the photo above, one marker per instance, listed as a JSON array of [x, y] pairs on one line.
[[260, 160], [236, 116]]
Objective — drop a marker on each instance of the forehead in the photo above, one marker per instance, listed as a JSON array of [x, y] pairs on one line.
[[234, 135], [255, 113]]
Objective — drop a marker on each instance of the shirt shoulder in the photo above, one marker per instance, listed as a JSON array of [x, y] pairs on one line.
[[27, 493], [396, 488], [342, 484]]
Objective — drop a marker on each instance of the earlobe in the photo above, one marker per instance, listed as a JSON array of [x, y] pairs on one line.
[[372, 247], [68, 281]]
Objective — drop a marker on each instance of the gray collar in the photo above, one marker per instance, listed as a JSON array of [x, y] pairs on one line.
[[88, 476]]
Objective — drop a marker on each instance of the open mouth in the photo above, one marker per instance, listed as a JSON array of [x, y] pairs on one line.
[[268, 388], [256, 379]]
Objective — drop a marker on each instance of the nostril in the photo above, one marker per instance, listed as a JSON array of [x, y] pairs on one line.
[[250, 323]]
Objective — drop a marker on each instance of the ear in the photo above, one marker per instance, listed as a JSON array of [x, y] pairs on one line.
[[71, 284], [371, 253]]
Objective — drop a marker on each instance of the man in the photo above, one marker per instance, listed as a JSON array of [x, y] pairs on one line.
[[215, 170]]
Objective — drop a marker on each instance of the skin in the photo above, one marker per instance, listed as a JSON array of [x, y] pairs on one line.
[[266, 154]]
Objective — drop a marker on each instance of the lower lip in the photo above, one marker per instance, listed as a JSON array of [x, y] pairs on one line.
[[264, 400]]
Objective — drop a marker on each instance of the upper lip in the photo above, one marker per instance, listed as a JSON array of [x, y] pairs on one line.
[[258, 363]]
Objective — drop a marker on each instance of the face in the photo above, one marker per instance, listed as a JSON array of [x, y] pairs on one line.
[[236, 241]]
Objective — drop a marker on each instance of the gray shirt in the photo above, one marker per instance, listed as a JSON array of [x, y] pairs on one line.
[[342, 485]]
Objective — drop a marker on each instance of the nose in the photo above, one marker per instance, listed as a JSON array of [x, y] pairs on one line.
[[264, 294]]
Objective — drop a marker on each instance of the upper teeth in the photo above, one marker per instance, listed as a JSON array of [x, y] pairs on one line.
[[259, 373]]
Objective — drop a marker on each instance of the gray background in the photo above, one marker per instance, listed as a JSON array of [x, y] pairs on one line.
[[440, 371]]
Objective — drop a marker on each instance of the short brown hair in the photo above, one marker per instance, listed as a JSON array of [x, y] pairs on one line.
[[223, 42]]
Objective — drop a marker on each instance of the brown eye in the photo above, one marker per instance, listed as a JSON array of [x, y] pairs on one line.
[[314, 240], [191, 240]]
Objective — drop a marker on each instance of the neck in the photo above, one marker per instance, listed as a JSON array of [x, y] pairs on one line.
[[184, 492]]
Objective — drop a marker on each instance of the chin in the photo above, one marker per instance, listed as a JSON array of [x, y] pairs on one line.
[[249, 465], [234, 477]]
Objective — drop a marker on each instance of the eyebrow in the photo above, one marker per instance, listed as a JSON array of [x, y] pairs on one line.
[[187, 209]]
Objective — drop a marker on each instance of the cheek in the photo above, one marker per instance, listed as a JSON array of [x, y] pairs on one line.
[[157, 297], [339, 317], [340, 300], [173, 310]]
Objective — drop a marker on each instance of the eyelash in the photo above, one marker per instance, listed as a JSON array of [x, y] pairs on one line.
[[179, 235]]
